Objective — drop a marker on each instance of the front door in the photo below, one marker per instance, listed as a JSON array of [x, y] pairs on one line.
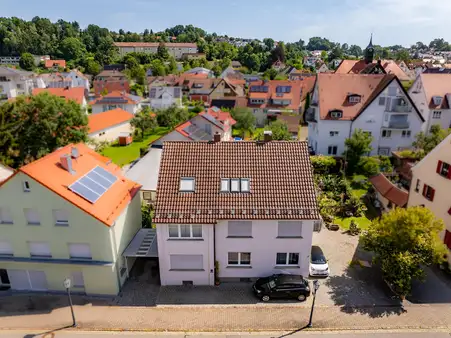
[[4, 279]]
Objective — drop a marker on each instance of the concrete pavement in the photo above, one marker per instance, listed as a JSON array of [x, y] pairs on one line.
[[338, 334]]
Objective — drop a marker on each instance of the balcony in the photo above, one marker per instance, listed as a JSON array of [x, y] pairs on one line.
[[310, 115], [402, 109], [398, 122]]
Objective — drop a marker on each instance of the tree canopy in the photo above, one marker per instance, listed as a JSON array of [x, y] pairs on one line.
[[31, 127], [404, 241], [245, 120], [357, 145], [425, 143]]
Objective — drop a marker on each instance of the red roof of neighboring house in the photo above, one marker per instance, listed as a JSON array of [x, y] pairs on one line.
[[107, 119], [294, 95], [114, 96], [307, 86], [223, 119], [75, 93], [182, 126], [49, 172], [436, 85], [388, 190], [359, 66], [51, 63]]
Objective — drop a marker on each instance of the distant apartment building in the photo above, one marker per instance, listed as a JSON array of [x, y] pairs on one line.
[[15, 60], [175, 49], [14, 82]]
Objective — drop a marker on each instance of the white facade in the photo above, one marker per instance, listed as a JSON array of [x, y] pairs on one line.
[[111, 134], [78, 80], [131, 108], [392, 126], [437, 116], [217, 244], [14, 83]]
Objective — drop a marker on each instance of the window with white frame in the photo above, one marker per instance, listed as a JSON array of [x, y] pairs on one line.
[[239, 258], [239, 229], [6, 249], [186, 262], [436, 114], [286, 229], [333, 133], [80, 251], [39, 249], [225, 185], [61, 217], [244, 185], [187, 184], [26, 186], [235, 185], [287, 258], [386, 133], [5, 216], [406, 133], [382, 101], [32, 217], [78, 281], [185, 231], [337, 114], [332, 150]]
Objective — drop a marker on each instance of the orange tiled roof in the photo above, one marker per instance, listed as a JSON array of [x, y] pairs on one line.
[[48, 172], [436, 85], [359, 66], [51, 63], [294, 95], [75, 93], [114, 94], [388, 190], [107, 119]]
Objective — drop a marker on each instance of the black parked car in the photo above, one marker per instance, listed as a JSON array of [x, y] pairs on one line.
[[282, 286]]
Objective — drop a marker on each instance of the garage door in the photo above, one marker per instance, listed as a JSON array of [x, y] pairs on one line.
[[28, 280]]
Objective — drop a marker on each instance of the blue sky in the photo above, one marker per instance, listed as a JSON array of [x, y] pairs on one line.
[[391, 21]]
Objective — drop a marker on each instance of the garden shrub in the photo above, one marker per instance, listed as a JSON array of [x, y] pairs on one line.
[[323, 164]]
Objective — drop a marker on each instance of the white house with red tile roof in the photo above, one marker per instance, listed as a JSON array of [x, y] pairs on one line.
[[431, 93], [202, 127], [224, 202], [5, 172], [78, 79], [76, 216], [377, 104], [113, 100], [109, 125]]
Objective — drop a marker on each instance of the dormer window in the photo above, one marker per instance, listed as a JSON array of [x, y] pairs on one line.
[[354, 98], [235, 185], [437, 100], [187, 184], [336, 114]]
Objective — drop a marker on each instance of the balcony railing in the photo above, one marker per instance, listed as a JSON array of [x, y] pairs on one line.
[[402, 109], [399, 124], [310, 115]]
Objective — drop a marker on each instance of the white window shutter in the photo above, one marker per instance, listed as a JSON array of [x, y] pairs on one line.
[[80, 250], [39, 249]]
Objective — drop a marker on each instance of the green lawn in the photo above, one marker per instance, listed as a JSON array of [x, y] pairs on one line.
[[362, 222], [122, 155]]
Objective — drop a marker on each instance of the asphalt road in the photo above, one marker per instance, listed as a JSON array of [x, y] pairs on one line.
[[342, 334]]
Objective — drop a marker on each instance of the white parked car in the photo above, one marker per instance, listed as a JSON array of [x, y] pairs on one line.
[[318, 263]]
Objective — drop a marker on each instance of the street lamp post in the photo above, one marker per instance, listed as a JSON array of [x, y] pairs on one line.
[[67, 285], [315, 288]]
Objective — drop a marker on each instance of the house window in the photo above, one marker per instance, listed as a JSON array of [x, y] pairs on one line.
[[428, 192], [61, 217], [382, 101], [80, 251], [287, 229], [443, 169], [392, 91], [187, 184], [367, 132], [386, 133], [239, 229], [284, 258], [436, 114], [6, 249], [185, 231], [5, 216], [32, 217], [245, 185], [333, 133], [26, 186], [39, 249], [447, 239], [417, 186], [354, 98], [332, 150], [239, 258], [406, 133], [437, 100], [186, 262], [225, 183], [147, 195], [336, 114], [78, 280]]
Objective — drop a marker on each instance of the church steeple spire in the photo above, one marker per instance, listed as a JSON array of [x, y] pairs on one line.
[[369, 51]]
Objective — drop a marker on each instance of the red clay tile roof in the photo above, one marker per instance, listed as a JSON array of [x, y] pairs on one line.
[[48, 172], [280, 173], [155, 44], [360, 66], [51, 63], [388, 190], [75, 93], [436, 85], [294, 95], [114, 94], [333, 90], [307, 86], [221, 116], [107, 119], [291, 121]]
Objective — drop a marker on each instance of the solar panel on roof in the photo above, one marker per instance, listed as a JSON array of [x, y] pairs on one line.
[[94, 184], [212, 120]]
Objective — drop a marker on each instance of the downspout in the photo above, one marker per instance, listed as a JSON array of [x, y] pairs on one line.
[[115, 256]]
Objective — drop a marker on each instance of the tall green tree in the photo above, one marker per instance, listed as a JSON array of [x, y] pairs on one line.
[[425, 143], [358, 145], [279, 131], [404, 242], [144, 120], [72, 49], [162, 51], [245, 120], [171, 116], [47, 122], [27, 61]]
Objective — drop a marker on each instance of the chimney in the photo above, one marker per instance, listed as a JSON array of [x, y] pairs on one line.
[[66, 163], [267, 136], [74, 152], [216, 137]]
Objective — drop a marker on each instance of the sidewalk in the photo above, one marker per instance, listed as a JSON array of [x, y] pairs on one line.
[[267, 317]]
